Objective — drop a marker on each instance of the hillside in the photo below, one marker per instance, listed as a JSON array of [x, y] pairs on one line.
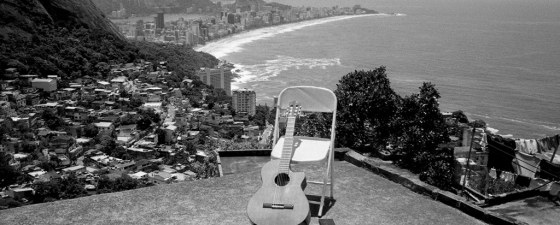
[[72, 38], [21, 18]]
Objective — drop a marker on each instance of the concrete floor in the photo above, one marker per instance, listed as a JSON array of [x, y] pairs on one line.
[[361, 198], [535, 211]]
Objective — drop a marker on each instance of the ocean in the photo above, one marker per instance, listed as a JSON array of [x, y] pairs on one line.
[[496, 60]]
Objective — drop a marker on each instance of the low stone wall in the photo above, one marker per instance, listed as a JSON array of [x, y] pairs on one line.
[[412, 182]]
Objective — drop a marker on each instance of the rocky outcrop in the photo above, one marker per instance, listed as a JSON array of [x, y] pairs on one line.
[[23, 16]]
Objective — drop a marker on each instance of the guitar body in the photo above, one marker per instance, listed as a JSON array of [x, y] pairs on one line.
[[286, 188]]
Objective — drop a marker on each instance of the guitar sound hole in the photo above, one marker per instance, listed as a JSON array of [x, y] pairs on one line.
[[282, 179]]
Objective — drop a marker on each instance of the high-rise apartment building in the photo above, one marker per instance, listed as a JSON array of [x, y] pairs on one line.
[[217, 77], [244, 101], [160, 22]]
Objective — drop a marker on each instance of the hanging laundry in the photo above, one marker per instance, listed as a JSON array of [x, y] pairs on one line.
[[501, 151], [546, 156], [484, 141], [548, 144], [492, 173], [541, 184], [527, 146], [527, 165]]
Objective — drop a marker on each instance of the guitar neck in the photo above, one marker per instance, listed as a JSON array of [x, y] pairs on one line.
[[288, 145]]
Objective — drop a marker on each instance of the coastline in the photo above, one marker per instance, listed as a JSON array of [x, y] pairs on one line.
[[222, 47], [212, 47]]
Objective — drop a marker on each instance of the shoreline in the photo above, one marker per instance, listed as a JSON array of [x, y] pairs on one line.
[[303, 23], [222, 47]]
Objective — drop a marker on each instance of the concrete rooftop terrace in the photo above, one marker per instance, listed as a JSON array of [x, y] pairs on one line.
[[361, 197]]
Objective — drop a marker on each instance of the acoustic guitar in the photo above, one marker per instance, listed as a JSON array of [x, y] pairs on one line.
[[281, 200]]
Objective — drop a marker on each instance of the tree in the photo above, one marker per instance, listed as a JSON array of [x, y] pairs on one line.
[[261, 115], [125, 182], [314, 125], [52, 120], [366, 108], [144, 123], [104, 184], [8, 175], [46, 191], [190, 148], [161, 136], [108, 143], [90, 130], [422, 129], [71, 187]]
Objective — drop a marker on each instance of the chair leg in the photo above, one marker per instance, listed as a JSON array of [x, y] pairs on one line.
[[324, 187], [323, 194], [331, 178]]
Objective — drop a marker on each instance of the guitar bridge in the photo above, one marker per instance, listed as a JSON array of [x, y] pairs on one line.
[[278, 206]]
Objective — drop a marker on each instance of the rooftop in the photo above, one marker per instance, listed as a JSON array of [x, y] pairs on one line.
[[534, 210], [361, 198], [42, 80]]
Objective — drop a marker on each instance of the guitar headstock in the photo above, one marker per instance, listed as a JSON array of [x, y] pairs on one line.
[[293, 110]]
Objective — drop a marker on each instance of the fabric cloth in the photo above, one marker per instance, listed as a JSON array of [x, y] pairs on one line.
[[527, 146], [549, 171], [548, 144], [542, 184], [546, 156], [501, 151], [527, 165]]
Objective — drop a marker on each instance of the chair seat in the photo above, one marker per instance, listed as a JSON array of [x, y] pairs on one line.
[[306, 149]]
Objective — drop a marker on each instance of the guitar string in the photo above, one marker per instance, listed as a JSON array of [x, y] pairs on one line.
[[282, 178]]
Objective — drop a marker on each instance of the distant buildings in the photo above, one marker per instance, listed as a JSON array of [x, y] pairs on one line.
[[217, 77], [44, 84], [160, 22], [244, 101]]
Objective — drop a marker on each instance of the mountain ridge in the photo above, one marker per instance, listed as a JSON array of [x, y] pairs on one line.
[[21, 18]]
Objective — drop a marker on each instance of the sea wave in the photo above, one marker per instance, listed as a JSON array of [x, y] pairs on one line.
[[225, 46], [272, 68]]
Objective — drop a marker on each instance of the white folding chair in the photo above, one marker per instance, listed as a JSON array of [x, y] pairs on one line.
[[309, 149]]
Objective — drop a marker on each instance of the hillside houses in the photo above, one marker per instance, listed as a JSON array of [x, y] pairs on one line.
[[128, 123]]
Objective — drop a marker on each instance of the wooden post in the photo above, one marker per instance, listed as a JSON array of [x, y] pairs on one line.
[[554, 154]]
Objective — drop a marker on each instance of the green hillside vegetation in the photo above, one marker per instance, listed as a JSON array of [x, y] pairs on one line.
[[73, 53], [62, 37]]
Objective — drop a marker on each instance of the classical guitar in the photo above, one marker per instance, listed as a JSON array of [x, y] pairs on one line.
[[281, 200]]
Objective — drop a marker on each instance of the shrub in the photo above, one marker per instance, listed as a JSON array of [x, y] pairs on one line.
[[366, 108], [422, 128], [440, 170], [489, 185]]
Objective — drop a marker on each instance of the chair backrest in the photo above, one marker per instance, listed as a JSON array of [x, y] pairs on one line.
[[311, 99]]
